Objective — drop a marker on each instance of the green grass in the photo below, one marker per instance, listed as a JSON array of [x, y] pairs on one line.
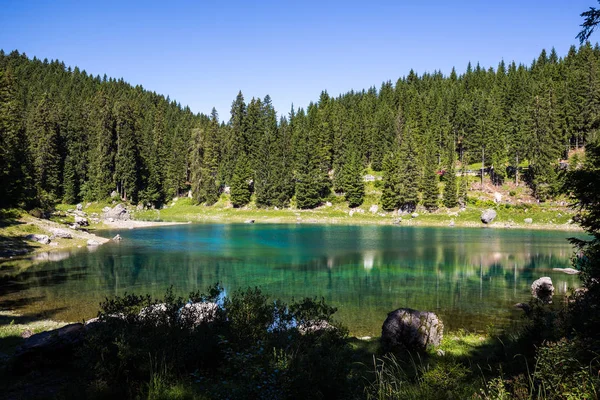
[[184, 210]]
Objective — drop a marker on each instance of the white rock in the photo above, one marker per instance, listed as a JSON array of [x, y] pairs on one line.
[[61, 233], [93, 243], [374, 208], [497, 197]]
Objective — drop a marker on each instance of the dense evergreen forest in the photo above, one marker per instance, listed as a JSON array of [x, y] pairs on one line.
[[67, 136]]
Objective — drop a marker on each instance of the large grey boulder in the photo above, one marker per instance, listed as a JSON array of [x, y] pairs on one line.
[[61, 233], [408, 329], [36, 237], [543, 289], [488, 216], [118, 212]]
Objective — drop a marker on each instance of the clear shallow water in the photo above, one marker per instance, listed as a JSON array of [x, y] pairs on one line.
[[470, 277]]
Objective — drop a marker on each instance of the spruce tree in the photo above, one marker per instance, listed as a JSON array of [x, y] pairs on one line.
[[430, 184], [450, 196], [409, 173], [308, 174], [355, 187], [44, 146], [390, 195], [15, 177], [240, 183]]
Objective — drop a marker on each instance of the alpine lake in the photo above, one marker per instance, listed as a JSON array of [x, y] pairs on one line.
[[470, 277]]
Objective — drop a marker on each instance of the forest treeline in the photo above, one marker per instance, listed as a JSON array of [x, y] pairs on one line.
[[69, 136]]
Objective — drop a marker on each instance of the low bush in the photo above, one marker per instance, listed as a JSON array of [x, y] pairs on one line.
[[249, 347]]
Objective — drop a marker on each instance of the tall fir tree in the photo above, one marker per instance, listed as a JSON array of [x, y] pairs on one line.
[[430, 184], [44, 145], [355, 187], [15, 178], [450, 195], [241, 183], [390, 195]]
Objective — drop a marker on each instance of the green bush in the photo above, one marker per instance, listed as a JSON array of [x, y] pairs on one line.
[[253, 347]]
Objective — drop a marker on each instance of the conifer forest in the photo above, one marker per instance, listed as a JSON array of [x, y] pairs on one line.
[[67, 136]]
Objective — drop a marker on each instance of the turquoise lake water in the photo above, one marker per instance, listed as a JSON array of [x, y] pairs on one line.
[[470, 277]]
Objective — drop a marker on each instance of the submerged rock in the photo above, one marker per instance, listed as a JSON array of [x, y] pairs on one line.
[[408, 329], [569, 271], [543, 289]]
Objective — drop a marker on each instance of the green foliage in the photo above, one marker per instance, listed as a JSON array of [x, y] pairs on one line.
[[417, 379], [250, 348], [430, 186], [240, 183], [355, 187], [450, 197], [390, 195], [82, 137]]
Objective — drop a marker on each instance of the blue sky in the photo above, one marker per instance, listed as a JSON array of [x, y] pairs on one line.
[[202, 53]]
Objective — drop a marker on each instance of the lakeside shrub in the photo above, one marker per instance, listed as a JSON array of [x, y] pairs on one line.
[[251, 347]]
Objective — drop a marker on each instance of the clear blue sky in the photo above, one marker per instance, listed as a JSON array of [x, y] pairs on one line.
[[201, 53]]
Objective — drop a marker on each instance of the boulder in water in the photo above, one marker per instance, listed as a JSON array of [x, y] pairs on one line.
[[543, 289]]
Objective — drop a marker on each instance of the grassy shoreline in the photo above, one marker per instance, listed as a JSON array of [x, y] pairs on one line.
[[551, 217], [183, 210]]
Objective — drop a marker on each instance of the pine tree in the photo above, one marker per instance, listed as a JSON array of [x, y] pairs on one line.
[[44, 147], [409, 173], [15, 177], [268, 162], [355, 187], [390, 196], [102, 147], [126, 157], [430, 185], [308, 174], [450, 190], [209, 188], [240, 183]]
